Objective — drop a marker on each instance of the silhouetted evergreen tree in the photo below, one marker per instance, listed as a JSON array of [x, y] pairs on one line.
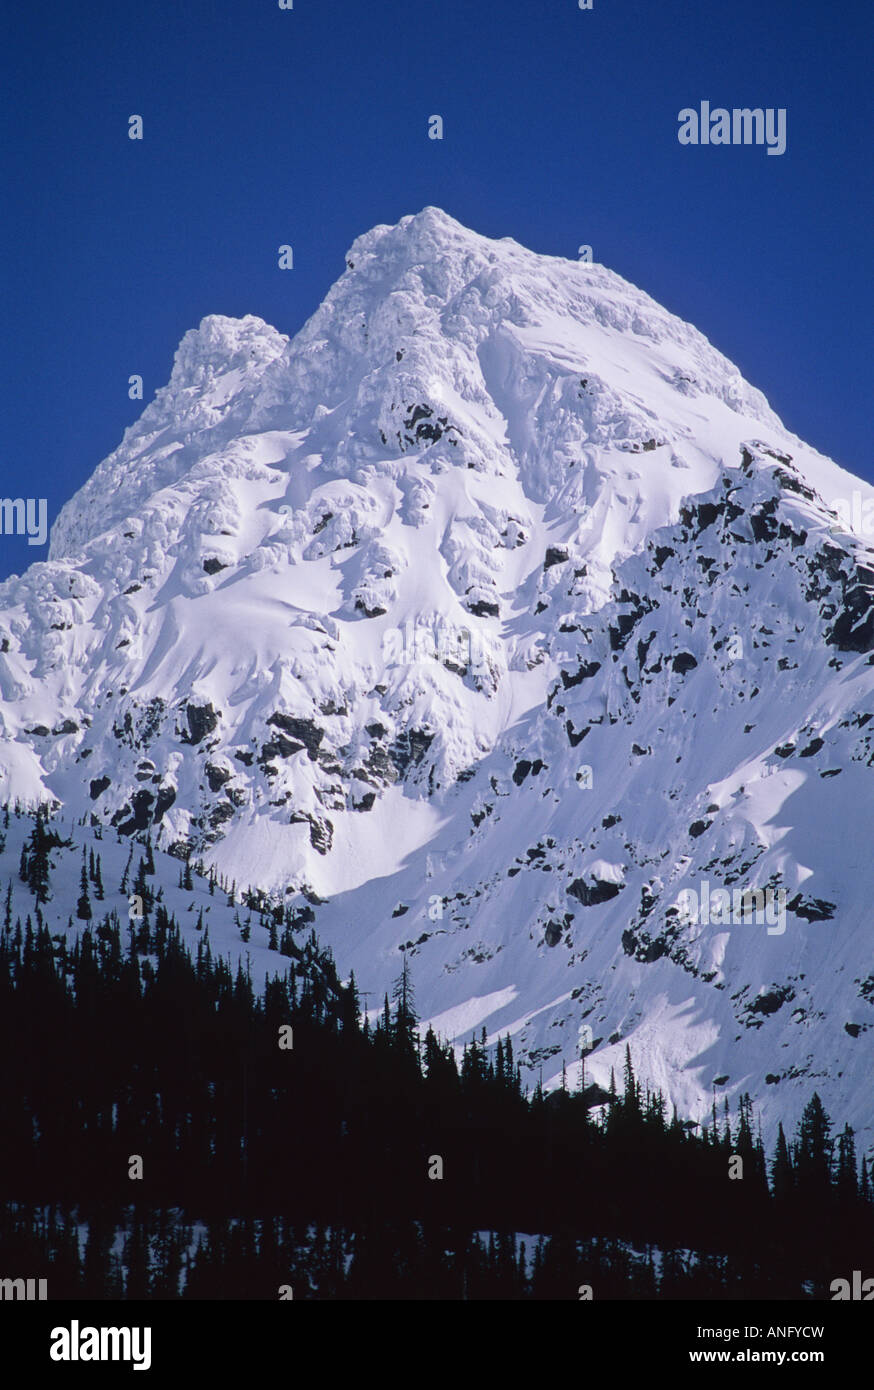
[[83, 906]]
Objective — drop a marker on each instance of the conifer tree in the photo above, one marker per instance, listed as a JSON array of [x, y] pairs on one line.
[[846, 1182], [405, 1015], [782, 1176], [864, 1183], [122, 888], [814, 1148], [38, 857], [386, 1019], [631, 1088], [83, 906]]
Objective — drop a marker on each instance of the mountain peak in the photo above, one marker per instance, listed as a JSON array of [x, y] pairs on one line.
[[222, 344], [431, 230], [426, 311]]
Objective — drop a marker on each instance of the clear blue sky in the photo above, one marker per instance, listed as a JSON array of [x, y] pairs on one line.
[[309, 126]]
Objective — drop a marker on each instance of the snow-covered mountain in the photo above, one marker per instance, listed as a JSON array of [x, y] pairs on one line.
[[492, 612]]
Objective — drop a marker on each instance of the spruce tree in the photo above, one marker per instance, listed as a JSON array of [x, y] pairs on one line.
[[83, 906], [631, 1089], [864, 1183], [814, 1148], [405, 1015], [782, 1178], [122, 887], [846, 1182], [38, 858]]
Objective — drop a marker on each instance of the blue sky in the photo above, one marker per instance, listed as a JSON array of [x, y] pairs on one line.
[[264, 127]]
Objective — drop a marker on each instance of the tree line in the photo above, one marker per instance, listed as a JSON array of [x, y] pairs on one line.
[[210, 1137]]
